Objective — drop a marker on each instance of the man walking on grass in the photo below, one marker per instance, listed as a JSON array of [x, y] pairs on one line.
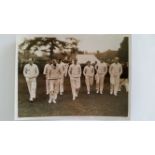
[[46, 73], [31, 73], [54, 76], [89, 76], [115, 71], [61, 79], [100, 76], [75, 75]]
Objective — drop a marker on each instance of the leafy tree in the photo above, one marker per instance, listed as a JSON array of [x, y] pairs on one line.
[[68, 47], [124, 50], [37, 42]]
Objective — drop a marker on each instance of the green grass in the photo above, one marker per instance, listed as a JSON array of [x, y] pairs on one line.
[[86, 105]]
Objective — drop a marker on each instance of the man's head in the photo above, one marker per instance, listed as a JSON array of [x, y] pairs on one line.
[[30, 61], [54, 62], [59, 61], [75, 61], [88, 63], [49, 61], [116, 59], [102, 60]]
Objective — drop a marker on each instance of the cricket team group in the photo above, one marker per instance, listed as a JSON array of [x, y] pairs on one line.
[[56, 71]]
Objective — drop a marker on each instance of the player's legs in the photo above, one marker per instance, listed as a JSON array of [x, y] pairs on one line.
[[91, 79], [33, 88], [117, 84], [51, 96], [97, 83], [61, 85], [77, 85], [101, 83], [112, 81], [29, 87], [56, 90], [47, 86], [72, 81], [87, 84]]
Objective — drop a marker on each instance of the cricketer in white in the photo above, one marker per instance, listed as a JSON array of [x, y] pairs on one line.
[[115, 71], [101, 70], [74, 72], [46, 73], [88, 72], [31, 73], [55, 73]]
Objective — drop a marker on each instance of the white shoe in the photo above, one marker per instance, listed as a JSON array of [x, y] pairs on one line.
[[49, 101], [101, 93], [74, 98], [54, 101], [111, 92], [61, 93], [97, 92], [88, 93], [31, 99], [115, 94]]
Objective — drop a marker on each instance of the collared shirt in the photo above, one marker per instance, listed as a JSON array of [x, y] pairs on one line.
[[30, 71], [115, 69], [88, 71], [102, 68], [55, 72], [47, 70], [74, 71], [62, 66]]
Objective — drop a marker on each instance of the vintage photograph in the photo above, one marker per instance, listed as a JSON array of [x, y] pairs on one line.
[[72, 75]]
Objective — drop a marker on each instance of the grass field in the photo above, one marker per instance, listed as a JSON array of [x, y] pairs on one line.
[[85, 105]]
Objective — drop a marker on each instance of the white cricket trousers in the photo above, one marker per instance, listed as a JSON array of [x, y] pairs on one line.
[[47, 86], [89, 82], [32, 85], [115, 82], [75, 85], [61, 84], [100, 82], [54, 88]]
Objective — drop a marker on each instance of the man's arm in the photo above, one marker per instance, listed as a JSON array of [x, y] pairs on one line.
[[93, 70], [84, 71], [69, 70], [37, 71], [96, 67], [80, 71], [110, 69], [121, 69], [66, 69], [24, 71], [106, 69], [45, 70]]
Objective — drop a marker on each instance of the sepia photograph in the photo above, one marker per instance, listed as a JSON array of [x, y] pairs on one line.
[[60, 75]]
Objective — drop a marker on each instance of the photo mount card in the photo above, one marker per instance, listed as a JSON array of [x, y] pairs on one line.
[[72, 77]]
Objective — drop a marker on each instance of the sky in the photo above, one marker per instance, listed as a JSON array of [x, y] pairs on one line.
[[88, 42]]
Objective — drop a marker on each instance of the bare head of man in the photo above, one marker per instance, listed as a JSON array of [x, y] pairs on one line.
[[116, 59], [88, 63], [30, 61], [54, 62], [75, 61], [49, 61]]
